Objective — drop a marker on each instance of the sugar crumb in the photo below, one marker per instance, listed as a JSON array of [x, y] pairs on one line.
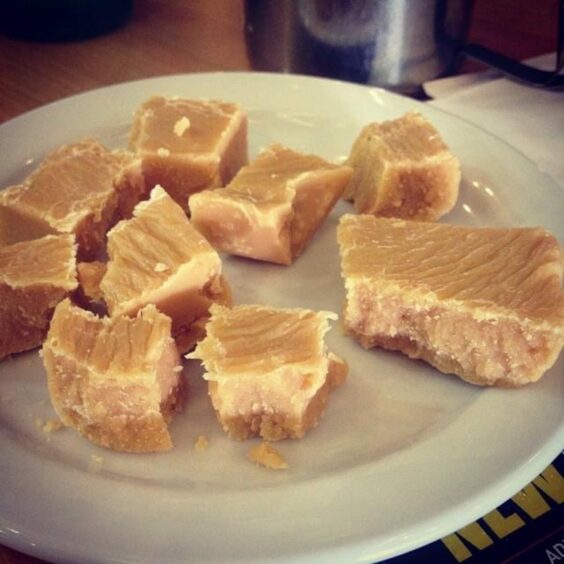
[[52, 425], [162, 152], [201, 443], [95, 463], [266, 455], [177, 369], [181, 126], [398, 223], [160, 267]]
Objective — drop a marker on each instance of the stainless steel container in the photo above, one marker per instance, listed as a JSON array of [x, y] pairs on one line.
[[395, 44]]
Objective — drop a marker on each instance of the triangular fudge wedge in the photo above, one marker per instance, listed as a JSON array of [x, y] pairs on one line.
[[403, 168], [81, 188], [485, 304], [268, 369], [34, 277], [17, 226], [189, 145], [116, 381], [273, 206], [158, 257], [89, 275]]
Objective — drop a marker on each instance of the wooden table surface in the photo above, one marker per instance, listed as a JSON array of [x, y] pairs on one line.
[[185, 36]]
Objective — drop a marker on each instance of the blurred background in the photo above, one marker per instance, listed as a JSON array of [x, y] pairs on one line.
[[135, 39]]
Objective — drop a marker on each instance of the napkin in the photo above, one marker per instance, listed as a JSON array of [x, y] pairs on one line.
[[530, 119]]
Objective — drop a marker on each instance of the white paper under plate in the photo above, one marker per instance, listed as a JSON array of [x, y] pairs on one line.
[[403, 455]]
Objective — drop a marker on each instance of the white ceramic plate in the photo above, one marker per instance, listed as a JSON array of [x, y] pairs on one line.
[[403, 456]]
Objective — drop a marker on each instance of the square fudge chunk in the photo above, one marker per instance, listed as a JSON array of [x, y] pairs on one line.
[[402, 168], [485, 304], [81, 188], [268, 370], [158, 257], [189, 145], [116, 381], [34, 277], [273, 206]]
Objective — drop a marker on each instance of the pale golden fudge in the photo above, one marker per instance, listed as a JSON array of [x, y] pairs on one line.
[[16, 226], [82, 188], [402, 168], [158, 257], [273, 207], [90, 275], [268, 370], [264, 454], [485, 304], [34, 277], [116, 381], [189, 145]]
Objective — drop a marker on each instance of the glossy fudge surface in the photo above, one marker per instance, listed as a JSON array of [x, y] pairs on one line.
[[273, 207]]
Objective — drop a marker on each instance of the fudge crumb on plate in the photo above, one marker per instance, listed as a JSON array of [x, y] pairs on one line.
[[201, 443], [266, 455]]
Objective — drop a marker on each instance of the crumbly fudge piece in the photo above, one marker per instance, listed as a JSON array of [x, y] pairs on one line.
[[485, 304], [158, 257], [82, 188], [89, 276], [273, 206], [34, 277], [402, 168], [269, 373], [116, 381], [189, 145]]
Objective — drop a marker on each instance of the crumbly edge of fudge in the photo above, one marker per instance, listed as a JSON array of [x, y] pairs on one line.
[[482, 349], [103, 404], [388, 183], [417, 191], [125, 433], [277, 426]]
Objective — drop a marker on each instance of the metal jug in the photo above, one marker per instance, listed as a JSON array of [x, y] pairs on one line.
[[394, 44]]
